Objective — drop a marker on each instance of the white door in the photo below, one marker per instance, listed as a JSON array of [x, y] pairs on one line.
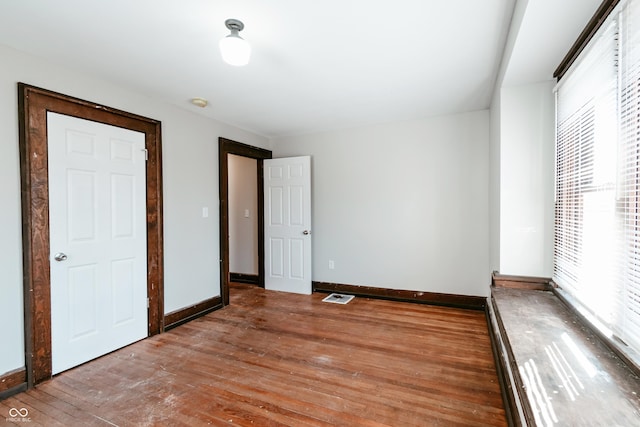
[[287, 231], [97, 221]]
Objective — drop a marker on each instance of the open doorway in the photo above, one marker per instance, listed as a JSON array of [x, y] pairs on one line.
[[243, 219], [227, 148]]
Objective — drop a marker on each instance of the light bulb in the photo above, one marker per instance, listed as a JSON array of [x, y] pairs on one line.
[[235, 50]]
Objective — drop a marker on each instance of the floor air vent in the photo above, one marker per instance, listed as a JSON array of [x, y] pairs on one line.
[[338, 298]]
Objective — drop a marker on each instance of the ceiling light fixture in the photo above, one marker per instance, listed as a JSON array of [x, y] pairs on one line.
[[234, 49], [199, 102]]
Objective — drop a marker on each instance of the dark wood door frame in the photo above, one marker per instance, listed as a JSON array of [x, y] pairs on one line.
[[227, 146], [33, 105]]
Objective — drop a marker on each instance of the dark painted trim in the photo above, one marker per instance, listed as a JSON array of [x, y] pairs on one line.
[[13, 382], [13, 391], [449, 300], [227, 146], [585, 37], [251, 279], [260, 184], [521, 282], [508, 396], [33, 105], [184, 315], [573, 306]]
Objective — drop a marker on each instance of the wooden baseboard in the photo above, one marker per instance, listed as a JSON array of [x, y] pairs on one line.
[[500, 368], [449, 300], [13, 382], [521, 282], [251, 279], [517, 409], [179, 317]]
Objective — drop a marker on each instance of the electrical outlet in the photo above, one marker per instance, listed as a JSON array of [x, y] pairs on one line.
[[332, 265]]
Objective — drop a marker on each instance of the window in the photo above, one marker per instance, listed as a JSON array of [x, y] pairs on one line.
[[597, 211]]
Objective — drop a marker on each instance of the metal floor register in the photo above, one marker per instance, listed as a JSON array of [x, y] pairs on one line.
[[338, 298]]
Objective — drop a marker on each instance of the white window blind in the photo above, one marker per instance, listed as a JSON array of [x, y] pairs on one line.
[[627, 325], [597, 229], [586, 150]]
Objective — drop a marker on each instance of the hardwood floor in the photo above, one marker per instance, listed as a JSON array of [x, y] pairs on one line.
[[274, 359]]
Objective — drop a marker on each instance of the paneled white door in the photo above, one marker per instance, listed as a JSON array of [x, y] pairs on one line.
[[287, 230], [97, 221]]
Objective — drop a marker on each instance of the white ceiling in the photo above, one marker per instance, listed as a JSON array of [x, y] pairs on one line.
[[547, 30], [316, 65]]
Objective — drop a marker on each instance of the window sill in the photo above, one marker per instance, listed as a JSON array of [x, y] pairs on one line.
[[627, 354], [553, 368]]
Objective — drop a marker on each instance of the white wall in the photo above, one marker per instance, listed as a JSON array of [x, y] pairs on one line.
[[11, 308], [526, 179], [522, 169], [401, 205], [190, 173], [494, 183], [243, 229]]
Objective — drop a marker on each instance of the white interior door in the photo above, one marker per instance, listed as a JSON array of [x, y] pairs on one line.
[[97, 221], [287, 231]]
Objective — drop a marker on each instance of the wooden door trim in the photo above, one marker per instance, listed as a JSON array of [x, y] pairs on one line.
[[227, 146], [33, 105]]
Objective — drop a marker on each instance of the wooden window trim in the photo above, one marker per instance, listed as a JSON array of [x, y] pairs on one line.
[[585, 37]]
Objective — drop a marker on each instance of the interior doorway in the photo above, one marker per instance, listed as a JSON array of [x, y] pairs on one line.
[[33, 105], [243, 219], [226, 148]]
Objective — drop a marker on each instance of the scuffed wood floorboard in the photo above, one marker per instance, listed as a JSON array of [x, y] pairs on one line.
[[275, 359]]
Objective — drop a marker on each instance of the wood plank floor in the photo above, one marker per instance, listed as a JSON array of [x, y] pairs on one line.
[[274, 359]]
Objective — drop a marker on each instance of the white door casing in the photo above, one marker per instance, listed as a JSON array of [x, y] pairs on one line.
[[287, 230], [97, 221]]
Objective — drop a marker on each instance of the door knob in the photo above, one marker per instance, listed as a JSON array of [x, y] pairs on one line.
[[60, 256], [306, 232]]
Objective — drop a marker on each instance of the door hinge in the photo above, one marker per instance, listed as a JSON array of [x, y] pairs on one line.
[[148, 303], [146, 153]]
